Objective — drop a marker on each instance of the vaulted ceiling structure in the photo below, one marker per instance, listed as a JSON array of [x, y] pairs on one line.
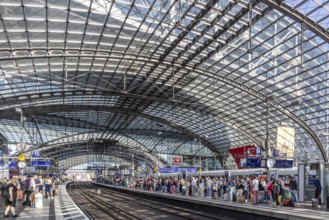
[[149, 77]]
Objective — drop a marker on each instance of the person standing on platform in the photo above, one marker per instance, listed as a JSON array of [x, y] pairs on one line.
[[193, 185], [246, 190], [48, 187], [11, 199], [20, 189], [202, 187], [318, 190], [255, 190], [57, 183], [209, 187], [293, 188], [41, 185], [34, 187]]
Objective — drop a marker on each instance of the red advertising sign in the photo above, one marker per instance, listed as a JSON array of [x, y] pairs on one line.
[[242, 153], [177, 160]]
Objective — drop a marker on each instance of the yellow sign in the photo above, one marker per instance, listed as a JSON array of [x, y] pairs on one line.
[[200, 170], [21, 157], [155, 169]]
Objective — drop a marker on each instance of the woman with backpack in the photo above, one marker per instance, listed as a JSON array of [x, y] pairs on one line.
[[278, 192], [11, 198], [269, 190]]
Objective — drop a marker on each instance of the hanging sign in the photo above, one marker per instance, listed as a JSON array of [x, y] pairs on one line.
[[256, 163], [41, 163], [276, 152], [1, 153], [283, 163], [35, 154], [177, 160], [21, 157], [258, 151]]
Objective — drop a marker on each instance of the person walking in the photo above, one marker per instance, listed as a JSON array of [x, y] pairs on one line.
[[293, 188], [318, 190], [10, 202], [20, 189], [255, 190], [48, 187], [34, 188]]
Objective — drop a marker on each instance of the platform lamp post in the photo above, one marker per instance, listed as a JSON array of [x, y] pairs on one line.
[[2, 160], [21, 162], [200, 162], [266, 144]]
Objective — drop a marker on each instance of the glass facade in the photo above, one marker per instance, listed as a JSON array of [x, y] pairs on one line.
[[165, 76]]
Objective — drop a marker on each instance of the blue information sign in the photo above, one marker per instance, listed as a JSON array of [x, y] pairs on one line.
[[178, 169], [35, 154], [12, 164], [276, 153], [41, 163], [256, 163], [258, 151], [283, 163], [1, 153]]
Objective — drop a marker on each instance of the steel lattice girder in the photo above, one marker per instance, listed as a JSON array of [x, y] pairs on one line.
[[267, 100]]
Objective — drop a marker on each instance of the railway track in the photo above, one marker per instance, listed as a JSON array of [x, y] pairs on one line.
[[117, 205], [96, 208]]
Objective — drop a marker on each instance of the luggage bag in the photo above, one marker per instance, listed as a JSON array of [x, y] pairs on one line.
[[315, 203]]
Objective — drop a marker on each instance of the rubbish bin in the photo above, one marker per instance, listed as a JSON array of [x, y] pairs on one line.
[[38, 200]]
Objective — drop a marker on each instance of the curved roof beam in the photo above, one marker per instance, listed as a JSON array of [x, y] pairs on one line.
[[53, 142], [68, 93], [60, 144], [61, 153], [67, 121], [265, 99], [298, 17], [72, 108], [82, 152], [65, 165]]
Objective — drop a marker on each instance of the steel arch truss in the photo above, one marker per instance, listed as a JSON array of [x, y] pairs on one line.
[[205, 70]]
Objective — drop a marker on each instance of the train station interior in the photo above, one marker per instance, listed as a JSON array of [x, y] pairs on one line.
[[172, 103]]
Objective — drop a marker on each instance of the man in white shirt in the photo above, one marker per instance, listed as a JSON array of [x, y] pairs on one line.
[[255, 190], [193, 184]]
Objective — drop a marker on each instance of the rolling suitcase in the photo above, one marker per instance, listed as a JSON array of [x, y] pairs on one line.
[[286, 202], [225, 196], [234, 197]]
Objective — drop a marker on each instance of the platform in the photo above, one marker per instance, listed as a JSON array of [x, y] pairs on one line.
[[59, 208], [239, 210]]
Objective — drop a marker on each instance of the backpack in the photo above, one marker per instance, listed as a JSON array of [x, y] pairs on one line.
[[260, 186], [4, 191], [269, 187], [281, 190], [27, 184]]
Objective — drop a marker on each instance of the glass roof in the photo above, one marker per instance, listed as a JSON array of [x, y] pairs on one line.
[[166, 74]]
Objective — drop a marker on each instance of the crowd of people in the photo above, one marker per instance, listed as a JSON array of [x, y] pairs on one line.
[[25, 188], [242, 190]]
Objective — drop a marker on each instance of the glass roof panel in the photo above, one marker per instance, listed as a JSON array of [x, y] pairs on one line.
[[196, 68]]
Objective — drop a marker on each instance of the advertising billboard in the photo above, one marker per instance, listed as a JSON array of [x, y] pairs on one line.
[[285, 141]]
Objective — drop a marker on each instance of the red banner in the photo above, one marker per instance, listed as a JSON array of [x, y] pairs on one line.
[[242, 153], [177, 160]]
